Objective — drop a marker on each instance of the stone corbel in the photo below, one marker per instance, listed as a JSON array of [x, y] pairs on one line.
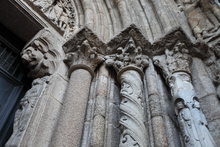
[[126, 56], [83, 55], [175, 65], [41, 55]]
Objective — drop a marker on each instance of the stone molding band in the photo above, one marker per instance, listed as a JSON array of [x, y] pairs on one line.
[[81, 66], [130, 67]]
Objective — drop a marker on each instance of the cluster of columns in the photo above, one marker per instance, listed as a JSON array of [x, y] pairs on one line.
[[129, 62]]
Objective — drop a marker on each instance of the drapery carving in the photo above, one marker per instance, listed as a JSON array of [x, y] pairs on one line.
[[175, 66], [41, 56], [59, 12], [25, 110], [203, 17], [129, 62]]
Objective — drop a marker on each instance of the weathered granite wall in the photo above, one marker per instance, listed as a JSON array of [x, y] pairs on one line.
[[94, 56]]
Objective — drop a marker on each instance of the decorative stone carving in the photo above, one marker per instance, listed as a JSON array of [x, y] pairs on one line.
[[132, 109], [85, 53], [84, 57], [25, 110], [175, 66], [41, 57], [130, 55], [203, 18], [60, 12], [129, 62]]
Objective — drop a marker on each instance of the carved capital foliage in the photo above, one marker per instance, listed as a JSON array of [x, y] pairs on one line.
[[41, 55], [60, 12], [175, 52], [175, 60], [128, 51], [84, 50], [26, 109]]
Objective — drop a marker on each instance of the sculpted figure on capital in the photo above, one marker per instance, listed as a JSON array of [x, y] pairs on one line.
[[175, 65]]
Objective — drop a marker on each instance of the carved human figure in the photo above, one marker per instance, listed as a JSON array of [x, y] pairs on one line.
[[191, 119], [60, 12], [175, 65], [40, 58], [43, 4], [26, 108], [202, 17]]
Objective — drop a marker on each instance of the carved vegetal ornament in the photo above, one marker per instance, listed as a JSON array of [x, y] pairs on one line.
[[129, 63], [175, 65], [85, 56]]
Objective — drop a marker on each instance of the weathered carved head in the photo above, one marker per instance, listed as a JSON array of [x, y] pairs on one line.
[[181, 86], [40, 57]]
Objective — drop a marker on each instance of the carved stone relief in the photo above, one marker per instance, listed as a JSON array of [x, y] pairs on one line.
[[175, 66], [129, 61], [60, 12], [26, 108], [129, 55], [41, 57], [85, 56], [203, 18], [84, 51], [213, 64], [132, 109]]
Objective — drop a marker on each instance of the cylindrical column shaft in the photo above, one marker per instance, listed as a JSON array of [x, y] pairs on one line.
[[70, 125], [158, 125], [134, 132]]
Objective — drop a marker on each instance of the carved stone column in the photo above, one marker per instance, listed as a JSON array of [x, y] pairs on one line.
[[82, 61], [175, 66], [129, 63]]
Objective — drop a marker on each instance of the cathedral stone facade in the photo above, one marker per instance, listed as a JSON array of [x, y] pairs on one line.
[[119, 73]]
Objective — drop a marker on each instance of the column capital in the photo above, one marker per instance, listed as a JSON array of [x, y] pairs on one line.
[[127, 51], [177, 59], [84, 51]]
